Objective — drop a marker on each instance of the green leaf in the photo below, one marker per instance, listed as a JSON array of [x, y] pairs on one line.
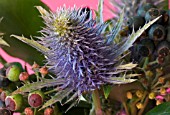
[[131, 39], [58, 97], [32, 43], [107, 89], [20, 17], [38, 85], [162, 109], [99, 13]]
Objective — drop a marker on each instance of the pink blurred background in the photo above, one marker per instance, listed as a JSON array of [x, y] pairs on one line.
[[53, 4]]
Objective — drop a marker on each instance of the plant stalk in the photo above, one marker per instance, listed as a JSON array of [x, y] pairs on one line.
[[96, 101]]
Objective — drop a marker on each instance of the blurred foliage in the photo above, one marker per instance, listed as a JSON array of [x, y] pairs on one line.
[[20, 17], [162, 109]]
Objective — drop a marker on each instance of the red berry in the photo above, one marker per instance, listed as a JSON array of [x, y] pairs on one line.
[[28, 111], [23, 76], [48, 111]]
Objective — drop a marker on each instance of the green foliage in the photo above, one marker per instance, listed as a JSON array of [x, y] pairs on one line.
[[162, 109], [20, 17]]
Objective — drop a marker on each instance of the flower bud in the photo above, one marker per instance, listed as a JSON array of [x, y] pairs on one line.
[[43, 70], [163, 91], [139, 93], [28, 111], [13, 71], [23, 76], [129, 95], [14, 102], [35, 66], [139, 105], [158, 102], [149, 73], [48, 111], [161, 80], [152, 95], [36, 98]]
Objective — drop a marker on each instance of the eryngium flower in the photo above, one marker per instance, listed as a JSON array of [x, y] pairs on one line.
[[78, 50], [80, 55]]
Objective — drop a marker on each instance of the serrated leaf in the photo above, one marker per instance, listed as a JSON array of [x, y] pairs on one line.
[[57, 98], [99, 13], [116, 29], [121, 80], [32, 43], [162, 109], [126, 66], [132, 38], [107, 89], [38, 85]]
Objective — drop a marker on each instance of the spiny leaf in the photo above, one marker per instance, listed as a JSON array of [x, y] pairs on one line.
[[132, 38], [32, 43], [58, 97], [100, 12], [127, 66], [121, 80], [116, 29], [2, 42], [38, 85]]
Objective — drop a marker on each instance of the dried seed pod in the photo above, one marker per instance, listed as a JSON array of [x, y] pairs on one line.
[[142, 50], [152, 14], [4, 111], [36, 98], [13, 72], [136, 22], [157, 32], [14, 102], [163, 48], [149, 44], [143, 9]]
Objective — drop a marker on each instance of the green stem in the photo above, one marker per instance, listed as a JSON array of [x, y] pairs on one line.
[[96, 101], [2, 61], [35, 111]]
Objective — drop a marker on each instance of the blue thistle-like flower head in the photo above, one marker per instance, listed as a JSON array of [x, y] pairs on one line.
[[80, 55], [78, 51]]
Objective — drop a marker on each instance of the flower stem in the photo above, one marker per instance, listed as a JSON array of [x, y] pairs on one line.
[[96, 101], [35, 111]]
